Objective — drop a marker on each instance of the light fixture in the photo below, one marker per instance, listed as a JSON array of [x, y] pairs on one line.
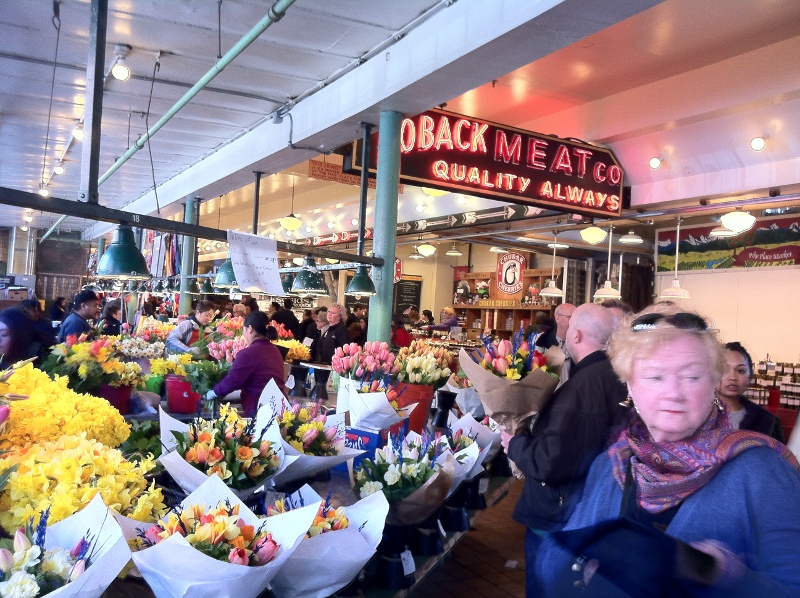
[[43, 190], [426, 250], [170, 288], [28, 218], [461, 200], [298, 261], [631, 239], [331, 260], [218, 245], [309, 281], [120, 71], [207, 288], [159, 288], [286, 283], [551, 290], [593, 235], [192, 288], [675, 291], [78, 132], [738, 221], [757, 144], [607, 291], [122, 259], [434, 192], [59, 169], [207, 248], [354, 221], [361, 285], [655, 163], [291, 222], [416, 255], [225, 277], [24, 229], [330, 224], [496, 249], [420, 207], [177, 287], [556, 245], [288, 233], [454, 251], [721, 232], [271, 236]]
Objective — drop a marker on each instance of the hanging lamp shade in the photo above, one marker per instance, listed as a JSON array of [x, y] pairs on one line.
[[287, 282], [170, 288], [92, 286], [607, 291], [426, 250], [496, 249], [207, 288], [738, 221], [593, 235], [416, 255], [454, 251], [192, 288], [309, 281], [291, 222], [225, 277], [721, 232], [159, 289], [177, 287], [675, 291], [122, 259], [631, 239], [361, 285], [551, 290]]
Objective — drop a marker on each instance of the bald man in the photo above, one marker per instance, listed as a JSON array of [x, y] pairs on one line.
[[568, 434]]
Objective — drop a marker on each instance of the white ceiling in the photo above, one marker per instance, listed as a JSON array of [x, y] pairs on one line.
[[690, 81]]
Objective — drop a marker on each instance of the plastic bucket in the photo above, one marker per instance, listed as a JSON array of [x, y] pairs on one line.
[[180, 397], [416, 393], [118, 396]]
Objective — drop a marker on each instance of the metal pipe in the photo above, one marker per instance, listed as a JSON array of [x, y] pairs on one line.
[[191, 214], [52, 229], [93, 112], [362, 203], [274, 14], [256, 198]]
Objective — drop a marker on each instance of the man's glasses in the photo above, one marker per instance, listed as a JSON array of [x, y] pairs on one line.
[[682, 320]]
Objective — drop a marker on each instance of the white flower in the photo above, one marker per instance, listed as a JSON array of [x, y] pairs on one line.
[[24, 559], [20, 585], [392, 475], [410, 469], [411, 452], [370, 488], [389, 456], [57, 561]]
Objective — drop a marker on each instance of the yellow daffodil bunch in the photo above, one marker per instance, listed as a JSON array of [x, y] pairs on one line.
[[297, 350], [53, 410], [171, 365], [66, 474], [304, 429]]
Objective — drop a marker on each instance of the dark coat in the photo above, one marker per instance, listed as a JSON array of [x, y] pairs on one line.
[[289, 321], [73, 324], [329, 341], [567, 436], [252, 370], [760, 420]]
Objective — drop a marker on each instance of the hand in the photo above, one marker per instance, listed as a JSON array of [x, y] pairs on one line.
[[194, 351], [505, 437], [211, 395]]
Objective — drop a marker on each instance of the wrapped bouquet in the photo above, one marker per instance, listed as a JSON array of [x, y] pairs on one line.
[[296, 351], [151, 330], [420, 363], [363, 368], [139, 348]]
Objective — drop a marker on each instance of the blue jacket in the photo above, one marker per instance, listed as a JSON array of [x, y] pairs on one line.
[[73, 324], [752, 506]]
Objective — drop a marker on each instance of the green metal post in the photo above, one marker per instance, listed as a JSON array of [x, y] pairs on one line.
[[189, 253], [385, 235], [101, 248]]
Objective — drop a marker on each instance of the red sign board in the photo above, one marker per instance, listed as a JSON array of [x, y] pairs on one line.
[[509, 272], [464, 154]]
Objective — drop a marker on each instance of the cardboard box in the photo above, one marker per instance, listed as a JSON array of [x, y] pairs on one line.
[[17, 294], [363, 440]]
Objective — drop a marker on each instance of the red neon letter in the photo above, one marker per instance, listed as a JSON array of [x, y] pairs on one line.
[[599, 172], [583, 155], [407, 135], [443, 136], [535, 153], [459, 141], [561, 161], [478, 142], [503, 152], [614, 174], [425, 141]]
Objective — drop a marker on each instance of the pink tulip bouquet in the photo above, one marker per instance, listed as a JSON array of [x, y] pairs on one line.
[[226, 349]]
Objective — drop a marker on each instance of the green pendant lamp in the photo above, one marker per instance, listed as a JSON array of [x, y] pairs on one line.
[[159, 289], [287, 282], [225, 279], [207, 288], [122, 259], [92, 286], [309, 282], [192, 288], [361, 285], [177, 287], [170, 288]]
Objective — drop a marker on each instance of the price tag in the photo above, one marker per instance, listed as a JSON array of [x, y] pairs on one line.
[[308, 341], [483, 485], [407, 559], [289, 382]]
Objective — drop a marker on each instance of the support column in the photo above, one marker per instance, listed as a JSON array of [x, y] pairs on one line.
[[385, 235], [101, 248], [12, 241], [191, 214], [132, 300]]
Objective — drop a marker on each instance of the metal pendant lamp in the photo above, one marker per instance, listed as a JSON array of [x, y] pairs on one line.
[[291, 222], [309, 281], [122, 259], [675, 291], [361, 284], [207, 288], [192, 288], [551, 290], [607, 291], [225, 277], [288, 280]]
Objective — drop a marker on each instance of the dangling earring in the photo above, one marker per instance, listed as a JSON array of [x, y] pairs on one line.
[[628, 402], [717, 403]]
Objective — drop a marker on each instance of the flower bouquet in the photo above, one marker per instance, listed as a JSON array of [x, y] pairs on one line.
[[421, 363], [515, 394], [79, 556], [410, 476], [362, 369], [296, 351], [347, 536], [151, 330], [464, 450], [312, 440], [243, 453], [487, 439], [139, 348], [236, 555], [90, 365], [229, 327], [283, 332], [466, 396], [225, 350]]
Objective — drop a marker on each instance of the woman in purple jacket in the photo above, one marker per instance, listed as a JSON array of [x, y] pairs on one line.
[[254, 366]]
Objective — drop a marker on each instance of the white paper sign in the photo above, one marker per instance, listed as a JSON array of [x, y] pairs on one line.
[[255, 263]]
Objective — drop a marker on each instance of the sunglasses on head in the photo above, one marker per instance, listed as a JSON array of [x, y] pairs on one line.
[[682, 320]]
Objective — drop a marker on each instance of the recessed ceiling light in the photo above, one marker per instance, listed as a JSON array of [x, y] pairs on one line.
[[461, 200], [43, 190], [271, 236], [288, 233], [331, 224], [24, 229], [309, 229], [298, 261], [655, 163], [757, 144], [420, 207], [28, 218], [354, 221]]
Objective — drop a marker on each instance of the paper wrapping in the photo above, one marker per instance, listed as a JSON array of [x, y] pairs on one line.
[[487, 440], [189, 478], [423, 502], [175, 569], [111, 553], [512, 403], [373, 411], [467, 399], [464, 461], [324, 564]]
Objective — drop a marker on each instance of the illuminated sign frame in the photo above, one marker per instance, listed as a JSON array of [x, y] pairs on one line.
[[459, 153], [509, 272]]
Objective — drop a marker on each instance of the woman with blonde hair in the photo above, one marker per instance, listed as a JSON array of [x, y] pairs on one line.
[[680, 504], [450, 320]]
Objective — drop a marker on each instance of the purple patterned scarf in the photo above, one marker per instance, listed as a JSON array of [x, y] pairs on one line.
[[666, 473]]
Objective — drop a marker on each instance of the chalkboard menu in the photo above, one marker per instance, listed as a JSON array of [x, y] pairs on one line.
[[407, 292]]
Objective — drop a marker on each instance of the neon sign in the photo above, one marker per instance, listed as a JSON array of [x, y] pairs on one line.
[[457, 153]]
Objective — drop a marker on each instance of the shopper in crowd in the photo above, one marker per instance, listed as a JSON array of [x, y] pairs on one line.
[[716, 510], [58, 311], [743, 414], [284, 315], [427, 318], [110, 324], [619, 308], [414, 318], [547, 335], [320, 325], [568, 434], [43, 333], [192, 329], [357, 331], [16, 337], [334, 336], [400, 336], [240, 310], [450, 320], [85, 307], [274, 307], [254, 366], [359, 311], [251, 304], [306, 325], [563, 314]]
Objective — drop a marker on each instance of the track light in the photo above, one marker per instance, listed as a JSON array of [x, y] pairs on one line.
[[120, 71], [43, 190], [78, 132]]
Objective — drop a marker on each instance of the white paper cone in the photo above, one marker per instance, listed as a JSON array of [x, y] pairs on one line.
[[373, 411]]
